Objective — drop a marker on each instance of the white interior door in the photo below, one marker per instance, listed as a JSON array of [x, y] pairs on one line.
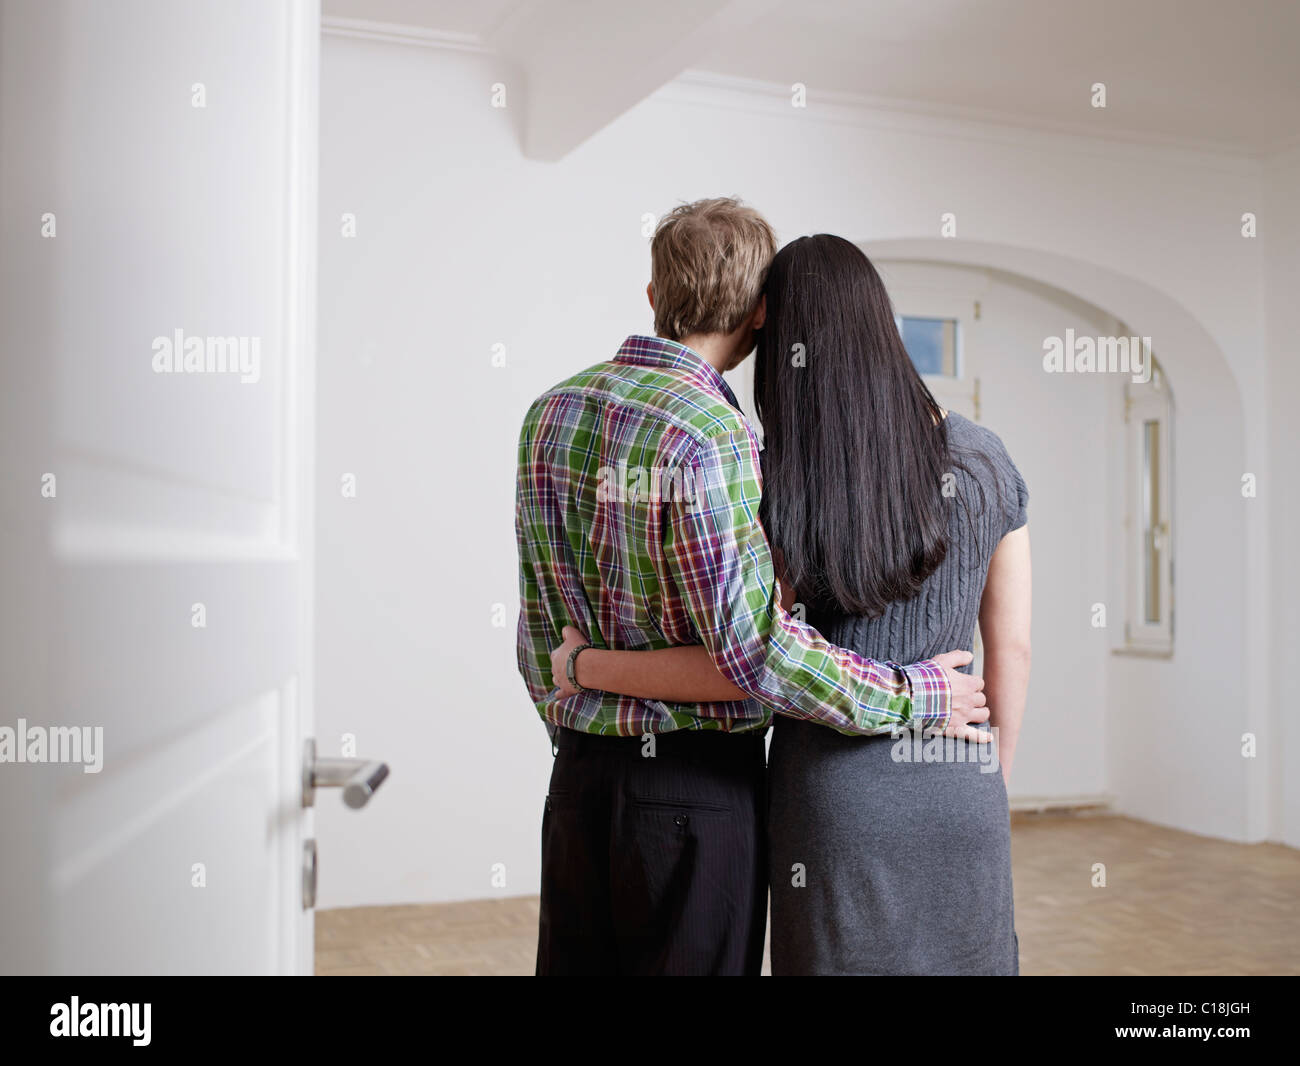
[[919, 290], [157, 177]]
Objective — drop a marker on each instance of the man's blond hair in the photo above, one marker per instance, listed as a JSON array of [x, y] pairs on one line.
[[708, 261]]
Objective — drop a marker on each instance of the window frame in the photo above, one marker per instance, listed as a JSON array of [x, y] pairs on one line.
[[958, 352], [1145, 403], [960, 392]]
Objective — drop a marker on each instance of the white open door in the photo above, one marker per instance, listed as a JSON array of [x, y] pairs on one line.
[[157, 183]]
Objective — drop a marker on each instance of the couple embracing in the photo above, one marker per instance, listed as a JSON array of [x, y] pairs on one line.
[[661, 633]]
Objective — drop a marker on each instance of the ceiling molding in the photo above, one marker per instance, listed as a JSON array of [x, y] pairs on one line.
[[755, 95], [399, 33], [772, 98]]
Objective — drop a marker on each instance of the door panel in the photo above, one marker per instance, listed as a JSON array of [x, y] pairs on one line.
[[179, 883]]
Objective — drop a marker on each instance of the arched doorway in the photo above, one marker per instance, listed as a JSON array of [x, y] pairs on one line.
[[1172, 726]]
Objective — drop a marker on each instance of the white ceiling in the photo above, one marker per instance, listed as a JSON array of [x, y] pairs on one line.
[[1221, 72]]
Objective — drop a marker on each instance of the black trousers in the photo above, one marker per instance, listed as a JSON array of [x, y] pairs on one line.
[[654, 864]]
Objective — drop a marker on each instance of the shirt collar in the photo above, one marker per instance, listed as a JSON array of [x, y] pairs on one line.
[[639, 350]]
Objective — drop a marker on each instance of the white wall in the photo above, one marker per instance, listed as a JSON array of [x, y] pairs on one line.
[[463, 244], [1280, 234]]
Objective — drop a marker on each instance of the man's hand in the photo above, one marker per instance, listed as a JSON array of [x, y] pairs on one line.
[[574, 638], [968, 702]]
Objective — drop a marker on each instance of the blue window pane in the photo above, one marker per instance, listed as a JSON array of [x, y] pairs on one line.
[[931, 344]]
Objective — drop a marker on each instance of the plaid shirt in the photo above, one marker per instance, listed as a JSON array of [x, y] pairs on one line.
[[637, 521]]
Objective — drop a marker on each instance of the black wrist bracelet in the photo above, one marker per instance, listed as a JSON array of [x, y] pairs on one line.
[[571, 667]]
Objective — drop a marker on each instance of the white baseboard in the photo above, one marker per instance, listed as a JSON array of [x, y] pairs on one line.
[[1041, 804]]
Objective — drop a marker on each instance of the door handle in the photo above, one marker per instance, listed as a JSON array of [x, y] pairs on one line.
[[359, 778]]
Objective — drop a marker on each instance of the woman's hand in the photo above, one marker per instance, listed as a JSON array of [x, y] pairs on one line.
[[573, 638]]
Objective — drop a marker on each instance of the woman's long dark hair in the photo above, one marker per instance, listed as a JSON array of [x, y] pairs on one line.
[[855, 446]]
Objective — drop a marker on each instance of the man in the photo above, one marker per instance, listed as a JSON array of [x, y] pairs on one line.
[[636, 520]]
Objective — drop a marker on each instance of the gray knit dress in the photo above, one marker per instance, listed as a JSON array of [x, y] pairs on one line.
[[892, 855]]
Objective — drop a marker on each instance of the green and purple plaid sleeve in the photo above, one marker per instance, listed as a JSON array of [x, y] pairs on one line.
[[533, 636], [720, 557]]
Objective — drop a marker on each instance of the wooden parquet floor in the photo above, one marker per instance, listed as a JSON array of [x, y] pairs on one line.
[[1173, 904]]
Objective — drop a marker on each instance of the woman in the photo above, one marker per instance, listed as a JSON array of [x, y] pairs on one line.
[[895, 524]]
